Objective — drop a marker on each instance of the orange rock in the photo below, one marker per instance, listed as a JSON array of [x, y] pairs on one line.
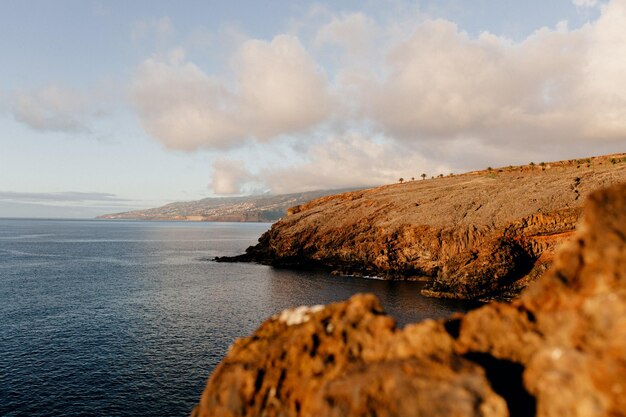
[[559, 350]]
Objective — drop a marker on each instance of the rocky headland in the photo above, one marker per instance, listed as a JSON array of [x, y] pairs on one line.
[[483, 234], [556, 351]]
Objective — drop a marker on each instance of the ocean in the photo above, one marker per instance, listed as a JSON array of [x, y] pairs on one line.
[[125, 318]]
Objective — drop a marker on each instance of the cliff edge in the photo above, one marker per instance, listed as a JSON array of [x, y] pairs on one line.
[[556, 351], [483, 234]]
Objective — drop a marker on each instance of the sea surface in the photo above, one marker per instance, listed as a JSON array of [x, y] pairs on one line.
[[123, 318]]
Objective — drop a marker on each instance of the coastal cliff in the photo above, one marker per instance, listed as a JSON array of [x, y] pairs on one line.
[[556, 351], [481, 234]]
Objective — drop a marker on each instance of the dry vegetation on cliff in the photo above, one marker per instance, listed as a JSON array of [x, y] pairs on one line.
[[476, 235]]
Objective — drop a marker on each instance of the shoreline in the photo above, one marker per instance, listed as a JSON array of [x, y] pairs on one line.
[[427, 291]]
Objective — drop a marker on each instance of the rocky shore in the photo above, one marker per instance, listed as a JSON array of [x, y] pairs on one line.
[[483, 235], [556, 351]]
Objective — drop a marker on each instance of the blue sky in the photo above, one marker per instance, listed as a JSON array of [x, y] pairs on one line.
[[110, 105]]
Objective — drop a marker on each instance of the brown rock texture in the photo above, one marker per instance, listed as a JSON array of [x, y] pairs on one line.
[[483, 234], [557, 351]]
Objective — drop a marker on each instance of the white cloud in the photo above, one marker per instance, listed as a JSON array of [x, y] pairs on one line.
[[556, 85], [59, 197], [281, 87], [183, 107], [158, 26], [444, 84], [355, 32], [52, 108], [441, 98], [602, 92], [229, 177], [279, 90], [350, 160], [585, 3]]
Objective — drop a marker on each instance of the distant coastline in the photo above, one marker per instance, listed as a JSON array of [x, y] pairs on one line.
[[254, 209]]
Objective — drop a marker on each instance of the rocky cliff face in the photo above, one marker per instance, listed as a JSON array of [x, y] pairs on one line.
[[558, 350], [475, 235]]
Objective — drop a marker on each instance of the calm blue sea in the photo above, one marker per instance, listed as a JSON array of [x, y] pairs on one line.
[[104, 318]]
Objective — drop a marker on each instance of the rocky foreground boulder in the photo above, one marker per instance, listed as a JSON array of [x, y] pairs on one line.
[[557, 351], [483, 234]]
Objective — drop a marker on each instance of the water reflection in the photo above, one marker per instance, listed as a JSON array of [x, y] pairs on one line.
[[125, 318]]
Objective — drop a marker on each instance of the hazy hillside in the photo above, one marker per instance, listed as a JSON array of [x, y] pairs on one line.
[[259, 208]]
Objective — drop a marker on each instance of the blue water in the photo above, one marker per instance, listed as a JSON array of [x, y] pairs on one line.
[[102, 318]]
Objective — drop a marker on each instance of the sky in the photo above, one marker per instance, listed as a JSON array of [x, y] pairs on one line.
[[108, 106]]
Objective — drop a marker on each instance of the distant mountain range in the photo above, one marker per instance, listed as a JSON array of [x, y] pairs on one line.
[[258, 208]]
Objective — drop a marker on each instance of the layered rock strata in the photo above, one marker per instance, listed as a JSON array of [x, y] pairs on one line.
[[477, 235], [559, 350]]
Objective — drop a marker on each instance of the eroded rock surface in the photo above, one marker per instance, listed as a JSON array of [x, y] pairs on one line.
[[477, 235], [557, 351]]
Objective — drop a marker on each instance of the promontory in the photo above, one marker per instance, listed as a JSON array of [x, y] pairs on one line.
[[482, 234]]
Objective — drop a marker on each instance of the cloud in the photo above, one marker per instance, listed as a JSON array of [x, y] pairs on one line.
[[183, 107], [602, 89], [556, 85], [350, 160], [65, 204], [434, 83], [229, 177], [59, 197], [355, 32], [159, 26], [279, 89], [585, 3], [52, 108], [394, 98]]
